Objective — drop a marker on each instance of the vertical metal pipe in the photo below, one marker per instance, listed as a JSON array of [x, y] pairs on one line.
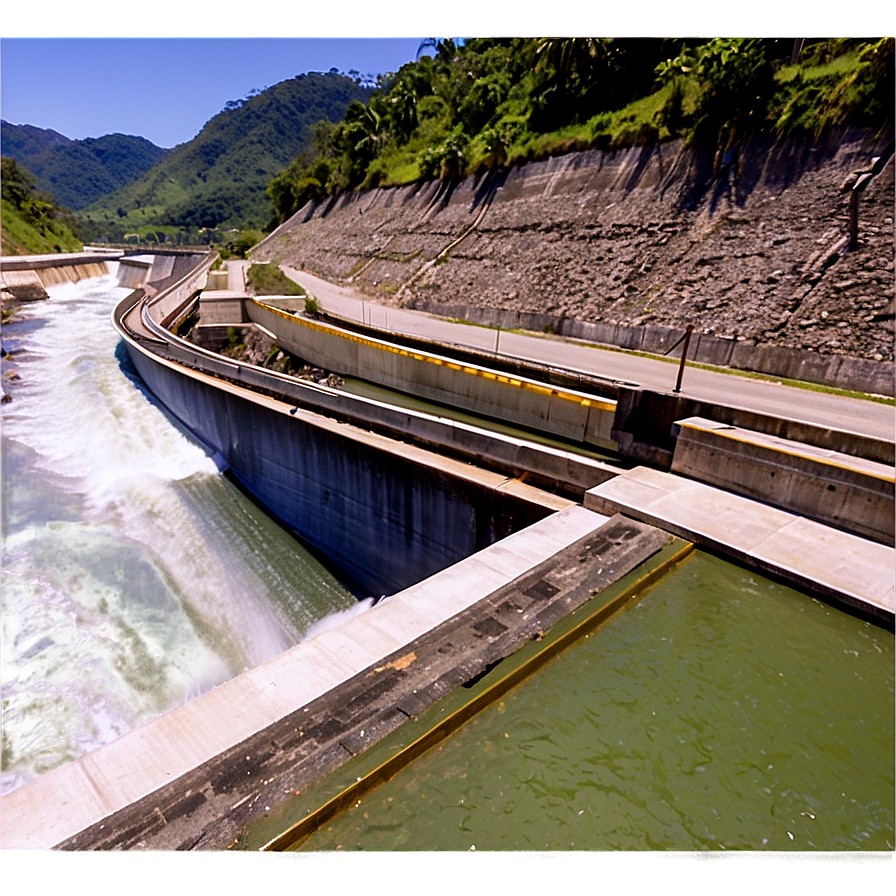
[[684, 355]]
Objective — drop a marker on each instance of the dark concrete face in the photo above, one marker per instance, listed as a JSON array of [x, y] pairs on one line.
[[381, 519]]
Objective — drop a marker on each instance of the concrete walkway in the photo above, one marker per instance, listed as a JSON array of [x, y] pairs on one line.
[[824, 409], [814, 557]]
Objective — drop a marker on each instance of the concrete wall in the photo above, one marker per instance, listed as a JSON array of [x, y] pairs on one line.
[[644, 428], [174, 281], [380, 513], [26, 277], [562, 412], [845, 371], [543, 466], [134, 272]]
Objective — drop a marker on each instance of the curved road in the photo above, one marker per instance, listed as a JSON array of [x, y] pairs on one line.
[[820, 408]]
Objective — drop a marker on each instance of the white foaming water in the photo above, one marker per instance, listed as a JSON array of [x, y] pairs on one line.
[[134, 575], [88, 423], [334, 620]]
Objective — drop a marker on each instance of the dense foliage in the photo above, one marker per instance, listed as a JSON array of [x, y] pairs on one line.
[[481, 103], [32, 224], [218, 180], [78, 172]]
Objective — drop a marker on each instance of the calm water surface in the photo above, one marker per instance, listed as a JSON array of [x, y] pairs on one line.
[[722, 712], [134, 575]]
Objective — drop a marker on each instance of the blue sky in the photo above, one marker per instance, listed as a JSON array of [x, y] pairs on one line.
[[164, 89]]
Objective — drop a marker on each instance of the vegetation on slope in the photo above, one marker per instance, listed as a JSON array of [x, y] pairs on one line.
[[269, 280], [484, 103], [32, 224], [218, 180]]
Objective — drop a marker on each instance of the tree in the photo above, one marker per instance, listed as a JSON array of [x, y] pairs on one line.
[[736, 81]]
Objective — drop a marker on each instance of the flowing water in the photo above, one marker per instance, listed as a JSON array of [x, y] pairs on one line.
[[722, 712], [134, 575]]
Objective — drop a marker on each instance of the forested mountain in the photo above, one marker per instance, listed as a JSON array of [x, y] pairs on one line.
[[484, 103], [23, 140], [219, 179], [31, 223], [78, 172]]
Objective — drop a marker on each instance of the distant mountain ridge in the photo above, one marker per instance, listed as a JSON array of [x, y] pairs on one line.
[[220, 178], [78, 172], [20, 140]]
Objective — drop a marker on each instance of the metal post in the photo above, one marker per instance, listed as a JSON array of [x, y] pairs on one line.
[[684, 354], [853, 243]]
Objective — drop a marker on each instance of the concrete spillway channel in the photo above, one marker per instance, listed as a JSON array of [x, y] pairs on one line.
[[480, 539], [477, 563]]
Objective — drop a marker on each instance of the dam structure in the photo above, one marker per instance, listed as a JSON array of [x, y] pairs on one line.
[[475, 534]]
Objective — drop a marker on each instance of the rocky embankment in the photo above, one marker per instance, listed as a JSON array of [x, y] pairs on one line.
[[646, 235]]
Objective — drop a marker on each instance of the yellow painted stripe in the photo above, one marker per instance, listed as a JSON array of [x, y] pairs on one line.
[[302, 830], [736, 437], [526, 385]]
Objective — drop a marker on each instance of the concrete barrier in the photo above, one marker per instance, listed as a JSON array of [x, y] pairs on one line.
[[566, 413], [644, 428], [843, 491], [839, 371]]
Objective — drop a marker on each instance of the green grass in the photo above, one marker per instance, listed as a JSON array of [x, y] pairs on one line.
[[269, 280]]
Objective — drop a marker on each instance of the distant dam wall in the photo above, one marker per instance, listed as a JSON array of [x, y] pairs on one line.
[[26, 277]]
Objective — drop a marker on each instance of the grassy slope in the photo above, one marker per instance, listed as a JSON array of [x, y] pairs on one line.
[[22, 238]]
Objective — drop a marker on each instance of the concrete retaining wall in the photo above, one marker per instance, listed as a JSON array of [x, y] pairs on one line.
[[543, 466], [175, 281], [832, 488], [337, 487], [843, 371], [645, 421], [571, 415]]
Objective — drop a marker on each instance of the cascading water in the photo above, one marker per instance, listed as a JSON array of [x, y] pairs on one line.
[[135, 576]]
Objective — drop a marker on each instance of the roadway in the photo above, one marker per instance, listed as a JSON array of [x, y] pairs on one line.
[[830, 410]]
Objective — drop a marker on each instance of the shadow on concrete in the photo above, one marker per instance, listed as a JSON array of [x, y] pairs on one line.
[[488, 186]]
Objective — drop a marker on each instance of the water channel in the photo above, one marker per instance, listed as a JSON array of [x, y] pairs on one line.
[[134, 575], [723, 711]]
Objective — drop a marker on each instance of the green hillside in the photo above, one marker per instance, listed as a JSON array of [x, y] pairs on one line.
[[219, 179], [31, 223], [483, 103], [23, 140], [78, 172]]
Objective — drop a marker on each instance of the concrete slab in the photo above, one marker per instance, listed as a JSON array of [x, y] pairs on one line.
[[839, 561], [834, 564]]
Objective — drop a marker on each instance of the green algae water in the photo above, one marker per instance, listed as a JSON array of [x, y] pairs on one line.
[[722, 711], [134, 575]]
